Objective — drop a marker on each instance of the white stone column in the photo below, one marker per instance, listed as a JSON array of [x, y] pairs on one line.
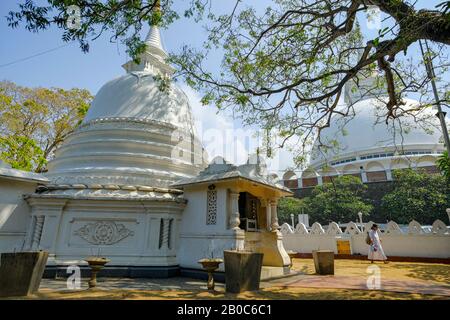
[[47, 215], [30, 232], [319, 180], [165, 233], [363, 176], [448, 213], [300, 183], [388, 174], [37, 232], [235, 216], [274, 215], [268, 216]]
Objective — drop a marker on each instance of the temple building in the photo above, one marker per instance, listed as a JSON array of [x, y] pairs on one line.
[[132, 184]]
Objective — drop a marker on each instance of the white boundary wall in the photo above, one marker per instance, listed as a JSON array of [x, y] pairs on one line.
[[413, 243]]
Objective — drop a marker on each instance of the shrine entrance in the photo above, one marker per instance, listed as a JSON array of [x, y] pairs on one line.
[[249, 206]]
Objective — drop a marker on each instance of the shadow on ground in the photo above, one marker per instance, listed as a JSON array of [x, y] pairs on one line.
[[429, 272], [349, 275], [275, 293]]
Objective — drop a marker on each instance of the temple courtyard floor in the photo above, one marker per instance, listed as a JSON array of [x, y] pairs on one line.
[[398, 280]]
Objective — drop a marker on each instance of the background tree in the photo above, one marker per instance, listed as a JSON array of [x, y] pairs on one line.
[[338, 201], [286, 69], [21, 152], [87, 20], [417, 195], [288, 206], [35, 121]]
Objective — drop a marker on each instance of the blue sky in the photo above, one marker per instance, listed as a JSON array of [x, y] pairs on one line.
[[69, 67]]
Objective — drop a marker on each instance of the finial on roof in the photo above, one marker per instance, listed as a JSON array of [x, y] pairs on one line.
[[153, 60], [153, 40]]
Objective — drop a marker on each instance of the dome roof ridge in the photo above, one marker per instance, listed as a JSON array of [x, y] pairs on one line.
[[128, 119]]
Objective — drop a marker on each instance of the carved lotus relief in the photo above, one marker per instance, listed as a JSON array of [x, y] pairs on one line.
[[103, 232]]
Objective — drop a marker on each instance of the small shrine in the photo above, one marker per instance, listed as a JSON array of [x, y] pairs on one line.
[[232, 207]]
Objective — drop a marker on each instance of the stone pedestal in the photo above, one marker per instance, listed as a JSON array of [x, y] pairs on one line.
[[21, 272], [323, 261], [96, 264], [242, 270], [210, 265], [271, 245]]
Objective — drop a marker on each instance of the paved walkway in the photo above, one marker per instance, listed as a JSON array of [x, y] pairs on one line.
[[299, 281], [360, 283], [398, 280]]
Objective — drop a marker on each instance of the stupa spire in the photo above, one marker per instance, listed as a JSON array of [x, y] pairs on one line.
[[153, 38], [153, 60]]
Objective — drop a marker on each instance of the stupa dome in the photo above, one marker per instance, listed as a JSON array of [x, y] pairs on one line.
[[134, 133], [137, 95]]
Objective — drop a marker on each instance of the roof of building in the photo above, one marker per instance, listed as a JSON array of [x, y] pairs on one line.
[[6, 172], [219, 170]]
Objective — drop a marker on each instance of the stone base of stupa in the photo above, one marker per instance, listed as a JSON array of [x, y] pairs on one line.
[[136, 229]]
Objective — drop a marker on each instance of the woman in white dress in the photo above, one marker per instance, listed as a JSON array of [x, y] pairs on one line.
[[376, 251]]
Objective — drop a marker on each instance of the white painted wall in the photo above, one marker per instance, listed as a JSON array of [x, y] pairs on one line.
[[395, 242], [130, 237], [199, 240], [14, 213]]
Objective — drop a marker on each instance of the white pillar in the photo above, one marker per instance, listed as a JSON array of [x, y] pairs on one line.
[[234, 219], [165, 236], [300, 183], [268, 216], [30, 233], [46, 227], [274, 215], [448, 213], [363, 176], [319, 180], [303, 218], [388, 174], [39, 224]]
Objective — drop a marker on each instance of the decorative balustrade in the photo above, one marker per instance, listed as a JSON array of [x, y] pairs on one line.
[[412, 241], [392, 228]]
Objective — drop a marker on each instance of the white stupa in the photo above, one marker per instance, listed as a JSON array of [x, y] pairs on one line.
[[134, 133], [365, 146], [110, 179]]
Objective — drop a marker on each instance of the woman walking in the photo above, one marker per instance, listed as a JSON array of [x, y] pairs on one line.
[[376, 251]]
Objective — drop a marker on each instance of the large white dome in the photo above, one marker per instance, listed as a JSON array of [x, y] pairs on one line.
[[134, 134], [367, 132], [136, 95]]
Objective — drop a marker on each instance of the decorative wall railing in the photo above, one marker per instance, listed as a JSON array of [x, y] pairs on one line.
[[413, 242]]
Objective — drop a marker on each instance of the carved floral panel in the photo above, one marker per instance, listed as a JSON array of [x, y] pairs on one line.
[[103, 232]]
